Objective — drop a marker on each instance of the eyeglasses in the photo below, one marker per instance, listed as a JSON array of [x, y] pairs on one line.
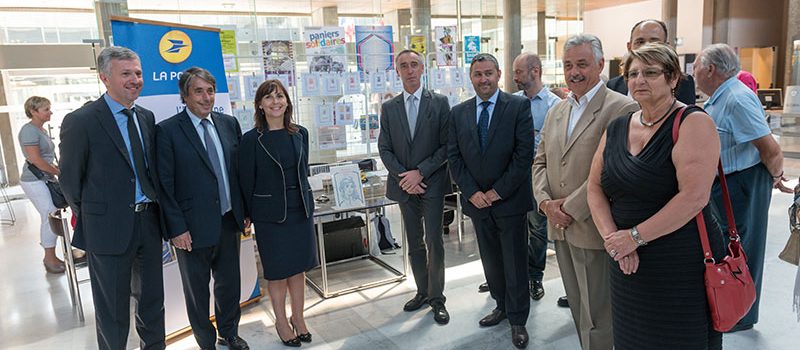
[[649, 74]]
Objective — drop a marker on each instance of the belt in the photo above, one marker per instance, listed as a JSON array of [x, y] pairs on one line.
[[140, 207]]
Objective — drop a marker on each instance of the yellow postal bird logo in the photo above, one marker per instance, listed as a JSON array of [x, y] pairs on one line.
[[175, 46]]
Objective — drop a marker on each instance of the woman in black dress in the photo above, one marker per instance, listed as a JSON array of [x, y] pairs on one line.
[[273, 161], [644, 193]]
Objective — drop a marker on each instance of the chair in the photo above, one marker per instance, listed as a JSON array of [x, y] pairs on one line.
[[59, 223], [6, 200]]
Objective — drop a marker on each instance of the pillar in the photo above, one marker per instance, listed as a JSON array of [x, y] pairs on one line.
[[669, 14], [721, 13], [103, 10], [421, 24], [325, 17], [792, 29], [512, 41], [7, 137]]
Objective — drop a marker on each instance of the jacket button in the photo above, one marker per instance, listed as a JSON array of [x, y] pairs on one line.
[[131, 205], [564, 163], [561, 184], [133, 180]]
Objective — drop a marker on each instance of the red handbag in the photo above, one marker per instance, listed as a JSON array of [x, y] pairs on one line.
[[729, 286]]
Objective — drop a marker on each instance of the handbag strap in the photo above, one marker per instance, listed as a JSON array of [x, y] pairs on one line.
[[726, 200]]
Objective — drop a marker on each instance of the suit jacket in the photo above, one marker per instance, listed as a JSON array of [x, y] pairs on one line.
[[190, 199], [561, 166], [685, 94], [260, 177], [504, 166], [428, 150], [97, 175]]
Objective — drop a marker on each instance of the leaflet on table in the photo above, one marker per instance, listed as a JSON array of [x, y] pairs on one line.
[[332, 137], [324, 114], [347, 191], [278, 59]]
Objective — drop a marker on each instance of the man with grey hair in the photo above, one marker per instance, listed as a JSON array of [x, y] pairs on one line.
[[108, 178], [751, 158], [202, 206], [570, 136], [490, 149]]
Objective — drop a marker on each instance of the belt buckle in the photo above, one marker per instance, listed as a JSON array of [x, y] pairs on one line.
[[140, 207]]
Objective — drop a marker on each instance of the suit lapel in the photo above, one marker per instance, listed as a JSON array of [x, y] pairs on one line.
[[587, 117], [497, 115], [402, 117], [424, 106], [106, 119], [224, 138], [471, 119], [191, 133]]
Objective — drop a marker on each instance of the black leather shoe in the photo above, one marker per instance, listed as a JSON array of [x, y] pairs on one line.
[[234, 343], [416, 303], [563, 302], [484, 287], [440, 314], [519, 336], [537, 290], [493, 318]]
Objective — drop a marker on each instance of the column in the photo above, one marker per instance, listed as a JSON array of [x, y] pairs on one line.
[[10, 165], [541, 35], [792, 30], [421, 24], [325, 16], [512, 41], [103, 10], [669, 14], [721, 13], [400, 20]]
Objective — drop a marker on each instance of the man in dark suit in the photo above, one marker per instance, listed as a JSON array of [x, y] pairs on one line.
[[108, 178], [653, 31], [413, 147], [490, 150], [202, 206]]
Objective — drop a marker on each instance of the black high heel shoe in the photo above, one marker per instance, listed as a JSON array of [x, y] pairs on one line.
[[294, 342], [305, 338]]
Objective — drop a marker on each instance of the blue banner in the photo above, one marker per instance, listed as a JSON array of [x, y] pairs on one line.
[[472, 46], [166, 51]]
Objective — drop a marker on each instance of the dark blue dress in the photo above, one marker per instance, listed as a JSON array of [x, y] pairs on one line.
[[290, 247], [663, 305]]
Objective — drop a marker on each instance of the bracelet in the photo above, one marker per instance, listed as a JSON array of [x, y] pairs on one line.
[[636, 237], [779, 175]]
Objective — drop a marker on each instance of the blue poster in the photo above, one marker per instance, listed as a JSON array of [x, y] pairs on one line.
[[375, 48], [472, 46], [166, 51]]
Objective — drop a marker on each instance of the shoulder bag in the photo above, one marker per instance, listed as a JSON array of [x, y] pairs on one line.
[[52, 184], [729, 286]]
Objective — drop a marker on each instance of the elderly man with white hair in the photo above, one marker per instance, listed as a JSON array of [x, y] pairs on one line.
[[751, 158]]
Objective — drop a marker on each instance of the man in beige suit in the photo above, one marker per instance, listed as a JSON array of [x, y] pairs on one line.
[[570, 136]]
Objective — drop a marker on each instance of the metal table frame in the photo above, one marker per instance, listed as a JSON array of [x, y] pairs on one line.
[[372, 205]]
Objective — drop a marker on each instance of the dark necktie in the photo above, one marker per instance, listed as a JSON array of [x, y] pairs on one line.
[[211, 148], [138, 156], [483, 124]]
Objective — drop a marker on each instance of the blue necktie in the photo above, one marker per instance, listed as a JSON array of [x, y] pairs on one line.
[[211, 148], [483, 124]]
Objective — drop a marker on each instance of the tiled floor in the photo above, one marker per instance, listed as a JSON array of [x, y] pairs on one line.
[[35, 312]]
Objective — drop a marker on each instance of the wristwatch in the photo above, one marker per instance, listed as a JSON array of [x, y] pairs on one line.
[[636, 237]]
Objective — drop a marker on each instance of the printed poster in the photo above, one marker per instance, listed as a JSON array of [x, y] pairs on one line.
[[332, 137], [324, 114], [325, 49], [251, 84], [227, 37], [351, 83], [416, 43], [344, 113], [472, 46], [278, 59], [445, 46], [310, 84], [375, 48], [331, 84]]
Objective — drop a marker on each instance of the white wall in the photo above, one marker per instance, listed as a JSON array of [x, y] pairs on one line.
[[613, 24]]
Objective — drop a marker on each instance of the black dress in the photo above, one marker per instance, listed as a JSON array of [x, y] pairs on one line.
[[663, 305], [290, 247]]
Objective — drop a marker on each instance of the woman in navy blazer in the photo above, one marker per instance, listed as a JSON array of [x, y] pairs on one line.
[[273, 174]]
